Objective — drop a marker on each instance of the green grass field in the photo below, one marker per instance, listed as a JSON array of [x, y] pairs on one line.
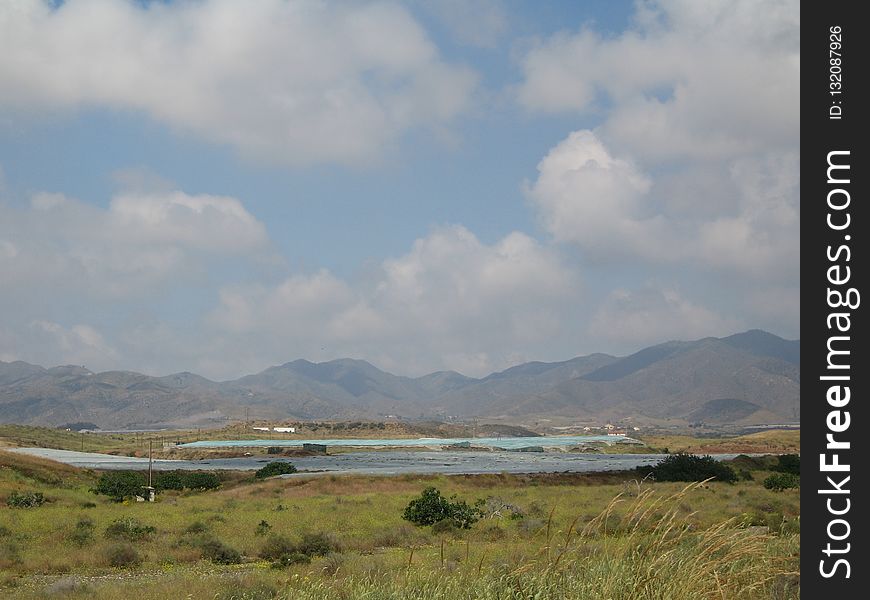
[[604, 536]]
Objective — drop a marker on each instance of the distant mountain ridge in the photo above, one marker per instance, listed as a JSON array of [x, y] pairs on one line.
[[747, 378]]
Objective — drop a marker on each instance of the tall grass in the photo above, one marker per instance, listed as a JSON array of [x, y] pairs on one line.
[[642, 545]]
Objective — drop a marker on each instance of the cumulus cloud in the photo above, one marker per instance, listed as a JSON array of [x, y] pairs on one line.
[[689, 80], [451, 302], [287, 82], [610, 208]]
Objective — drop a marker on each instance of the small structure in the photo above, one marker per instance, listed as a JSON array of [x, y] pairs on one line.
[[148, 494], [528, 449], [261, 429], [285, 429]]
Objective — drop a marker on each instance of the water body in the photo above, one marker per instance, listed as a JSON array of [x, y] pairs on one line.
[[379, 463], [508, 443]]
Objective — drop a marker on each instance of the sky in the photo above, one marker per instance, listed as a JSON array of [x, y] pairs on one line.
[[219, 186]]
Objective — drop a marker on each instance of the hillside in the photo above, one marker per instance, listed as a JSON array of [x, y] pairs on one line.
[[747, 378]]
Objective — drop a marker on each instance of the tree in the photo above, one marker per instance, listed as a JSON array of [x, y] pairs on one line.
[[431, 507]]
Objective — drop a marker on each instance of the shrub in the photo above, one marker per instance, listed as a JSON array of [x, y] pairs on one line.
[[274, 450], [432, 507], [275, 468], [315, 544], [196, 527], [688, 467], [120, 484], [788, 463], [169, 480], [277, 546], [123, 555], [25, 500], [83, 534], [201, 480], [263, 528], [191, 480], [294, 558], [217, 552], [129, 529], [444, 527], [782, 481]]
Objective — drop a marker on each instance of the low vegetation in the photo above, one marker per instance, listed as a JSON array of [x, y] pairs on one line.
[[275, 468], [119, 485], [432, 508], [782, 481], [595, 536], [688, 467], [25, 499]]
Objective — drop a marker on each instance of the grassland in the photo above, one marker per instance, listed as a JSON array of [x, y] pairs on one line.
[[547, 536], [764, 442]]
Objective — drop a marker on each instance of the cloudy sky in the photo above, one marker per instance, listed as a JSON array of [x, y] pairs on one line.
[[220, 186]]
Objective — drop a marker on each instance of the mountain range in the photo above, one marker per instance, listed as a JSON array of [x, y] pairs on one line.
[[748, 378]]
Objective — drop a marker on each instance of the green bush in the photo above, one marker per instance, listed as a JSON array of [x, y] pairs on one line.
[[83, 533], [263, 528], [276, 546], [196, 527], [688, 467], [315, 544], [129, 529], [294, 558], [120, 484], [168, 480], [431, 507], [191, 480], [275, 468], [283, 552], [123, 555], [25, 500], [782, 481], [219, 553], [788, 463], [201, 480]]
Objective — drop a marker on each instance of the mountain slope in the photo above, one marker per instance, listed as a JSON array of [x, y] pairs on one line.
[[751, 377]]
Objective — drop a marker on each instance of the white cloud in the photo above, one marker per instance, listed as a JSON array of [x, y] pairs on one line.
[[286, 82], [631, 319], [135, 245], [606, 205], [587, 196], [78, 344], [451, 302], [690, 80]]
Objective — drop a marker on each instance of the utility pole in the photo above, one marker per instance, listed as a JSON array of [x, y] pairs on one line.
[[150, 461]]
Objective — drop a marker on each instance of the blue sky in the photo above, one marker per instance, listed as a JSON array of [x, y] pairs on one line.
[[447, 185]]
